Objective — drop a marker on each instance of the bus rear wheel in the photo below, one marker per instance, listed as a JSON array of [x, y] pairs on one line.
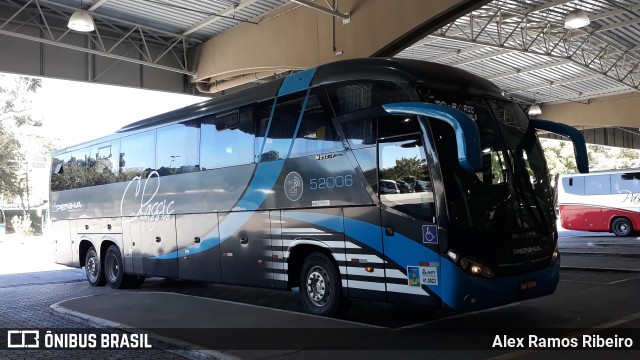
[[621, 227], [93, 268], [320, 288], [114, 271]]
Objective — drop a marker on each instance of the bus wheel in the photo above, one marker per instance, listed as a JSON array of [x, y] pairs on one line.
[[320, 288], [93, 268], [621, 227], [114, 271]]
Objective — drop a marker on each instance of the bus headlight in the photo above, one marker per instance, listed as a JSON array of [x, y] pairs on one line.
[[471, 266]]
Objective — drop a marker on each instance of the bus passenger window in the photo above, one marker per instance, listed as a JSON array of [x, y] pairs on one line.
[[625, 183], [361, 132], [103, 162], [227, 144], [137, 155], [279, 131], [597, 185], [316, 134], [352, 96], [60, 173], [177, 149]]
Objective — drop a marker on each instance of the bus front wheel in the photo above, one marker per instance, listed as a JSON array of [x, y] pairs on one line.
[[93, 268], [621, 227], [320, 288]]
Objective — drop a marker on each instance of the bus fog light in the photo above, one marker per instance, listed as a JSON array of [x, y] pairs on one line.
[[453, 256], [469, 299]]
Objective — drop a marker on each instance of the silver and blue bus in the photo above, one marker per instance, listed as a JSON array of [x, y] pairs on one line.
[[287, 185]]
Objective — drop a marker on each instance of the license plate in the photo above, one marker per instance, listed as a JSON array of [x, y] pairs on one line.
[[528, 284]]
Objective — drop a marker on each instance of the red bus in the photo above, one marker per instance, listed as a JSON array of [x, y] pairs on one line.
[[607, 201]]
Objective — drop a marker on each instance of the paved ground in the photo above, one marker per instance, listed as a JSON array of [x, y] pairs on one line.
[[588, 250], [30, 283], [585, 300]]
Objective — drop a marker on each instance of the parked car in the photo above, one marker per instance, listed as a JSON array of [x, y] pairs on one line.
[[388, 187], [404, 187], [422, 185]]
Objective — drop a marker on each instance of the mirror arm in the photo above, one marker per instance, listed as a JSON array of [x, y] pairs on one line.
[[579, 146], [467, 133]]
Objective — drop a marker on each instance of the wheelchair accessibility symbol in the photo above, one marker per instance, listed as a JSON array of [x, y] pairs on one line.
[[429, 234]]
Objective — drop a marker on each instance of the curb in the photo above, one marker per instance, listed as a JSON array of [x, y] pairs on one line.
[[174, 346], [600, 269], [588, 253]]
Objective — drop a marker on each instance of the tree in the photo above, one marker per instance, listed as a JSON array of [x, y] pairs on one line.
[[15, 102], [407, 169], [561, 159]]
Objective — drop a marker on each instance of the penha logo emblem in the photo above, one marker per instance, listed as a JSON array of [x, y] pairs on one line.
[[293, 186]]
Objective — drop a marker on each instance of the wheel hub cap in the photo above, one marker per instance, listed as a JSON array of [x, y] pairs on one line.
[[318, 286], [91, 265]]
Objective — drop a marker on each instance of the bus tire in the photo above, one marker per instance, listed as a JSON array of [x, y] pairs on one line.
[[622, 227], [114, 271], [93, 268], [320, 288], [113, 267]]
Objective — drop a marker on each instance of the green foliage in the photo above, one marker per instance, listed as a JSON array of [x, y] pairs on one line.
[[561, 159], [15, 95], [9, 152], [407, 169]]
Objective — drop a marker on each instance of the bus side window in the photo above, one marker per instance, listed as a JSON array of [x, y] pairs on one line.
[[573, 185], [103, 166], [60, 172], [227, 139], [361, 132], [597, 185], [137, 155], [316, 134], [352, 96], [177, 148], [625, 183], [280, 129]]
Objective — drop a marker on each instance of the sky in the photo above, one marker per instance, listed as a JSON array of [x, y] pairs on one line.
[[74, 112]]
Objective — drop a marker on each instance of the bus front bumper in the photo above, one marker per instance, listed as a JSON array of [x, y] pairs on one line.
[[464, 292]]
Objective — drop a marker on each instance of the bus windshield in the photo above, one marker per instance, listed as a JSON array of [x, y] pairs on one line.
[[512, 191]]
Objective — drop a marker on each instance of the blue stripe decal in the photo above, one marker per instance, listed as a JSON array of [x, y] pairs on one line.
[[297, 82], [327, 221], [261, 186], [206, 244], [399, 248]]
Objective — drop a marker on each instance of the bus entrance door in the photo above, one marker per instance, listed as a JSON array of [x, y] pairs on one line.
[[408, 219]]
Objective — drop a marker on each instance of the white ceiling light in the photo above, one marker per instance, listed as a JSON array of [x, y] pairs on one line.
[[82, 21], [534, 110], [576, 19]]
